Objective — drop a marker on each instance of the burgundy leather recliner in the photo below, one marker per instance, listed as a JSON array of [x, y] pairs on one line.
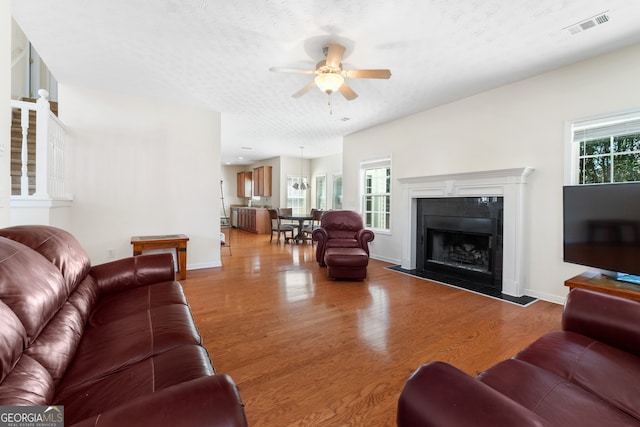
[[115, 344], [587, 374], [343, 244]]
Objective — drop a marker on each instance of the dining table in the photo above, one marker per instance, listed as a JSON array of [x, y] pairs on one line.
[[300, 237]]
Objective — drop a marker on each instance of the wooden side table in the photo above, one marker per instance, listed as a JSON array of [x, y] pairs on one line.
[[169, 241], [597, 282]]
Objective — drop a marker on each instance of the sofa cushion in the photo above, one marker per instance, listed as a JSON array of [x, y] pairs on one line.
[[28, 384], [13, 338], [111, 347], [57, 343], [36, 293], [342, 223], [552, 397], [175, 366], [56, 245], [343, 243], [605, 371], [116, 306], [84, 298]]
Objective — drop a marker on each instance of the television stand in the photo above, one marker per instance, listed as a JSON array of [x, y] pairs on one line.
[[596, 281]]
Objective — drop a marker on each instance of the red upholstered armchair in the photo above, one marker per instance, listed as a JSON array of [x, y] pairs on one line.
[[341, 229]]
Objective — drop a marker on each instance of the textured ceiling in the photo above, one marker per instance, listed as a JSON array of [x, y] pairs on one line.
[[216, 54]]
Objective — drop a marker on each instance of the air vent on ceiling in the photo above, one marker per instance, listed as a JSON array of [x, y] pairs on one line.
[[594, 21]]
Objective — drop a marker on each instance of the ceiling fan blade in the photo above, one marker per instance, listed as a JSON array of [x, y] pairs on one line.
[[367, 74], [347, 92], [334, 55], [304, 90], [291, 70]]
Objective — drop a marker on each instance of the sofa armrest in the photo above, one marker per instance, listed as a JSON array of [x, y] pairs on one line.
[[321, 236], [132, 272], [365, 236], [208, 401], [438, 394], [607, 318]]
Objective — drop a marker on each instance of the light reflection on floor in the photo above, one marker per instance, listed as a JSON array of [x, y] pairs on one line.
[[373, 321], [299, 285]]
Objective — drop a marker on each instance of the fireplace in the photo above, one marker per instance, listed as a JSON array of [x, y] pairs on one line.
[[506, 184], [461, 237]]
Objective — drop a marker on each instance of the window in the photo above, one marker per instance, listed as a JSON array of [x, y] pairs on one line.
[[337, 191], [606, 150], [296, 199], [377, 194], [321, 192]]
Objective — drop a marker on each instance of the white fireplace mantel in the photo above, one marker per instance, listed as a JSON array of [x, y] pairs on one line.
[[507, 183]]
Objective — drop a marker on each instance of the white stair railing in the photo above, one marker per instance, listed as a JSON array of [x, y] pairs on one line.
[[50, 150]]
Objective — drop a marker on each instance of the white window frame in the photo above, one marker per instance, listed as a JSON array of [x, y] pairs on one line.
[[320, 192], [297, 208], [336, 194], [379, 163], [597, 127]]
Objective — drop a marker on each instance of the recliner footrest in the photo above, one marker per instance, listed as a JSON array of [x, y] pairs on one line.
[[346, 257], [346, 263]]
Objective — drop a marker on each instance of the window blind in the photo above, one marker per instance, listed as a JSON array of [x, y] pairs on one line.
[[621, 125]]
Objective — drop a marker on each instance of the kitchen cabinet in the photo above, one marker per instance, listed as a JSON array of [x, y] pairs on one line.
[[254, 220], [262, 181], [244, 184]]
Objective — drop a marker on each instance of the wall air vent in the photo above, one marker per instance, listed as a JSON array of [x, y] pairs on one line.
[[594, 21]]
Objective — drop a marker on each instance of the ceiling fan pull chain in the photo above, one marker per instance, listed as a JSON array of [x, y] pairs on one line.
[[329, 104]]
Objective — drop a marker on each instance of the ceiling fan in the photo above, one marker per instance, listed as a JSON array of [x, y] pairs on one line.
[[330, 76]]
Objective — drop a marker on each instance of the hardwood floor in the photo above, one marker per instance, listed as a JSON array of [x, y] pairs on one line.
[[307, 351]]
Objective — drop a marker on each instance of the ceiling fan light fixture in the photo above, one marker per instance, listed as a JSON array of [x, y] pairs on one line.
[[329, 82]]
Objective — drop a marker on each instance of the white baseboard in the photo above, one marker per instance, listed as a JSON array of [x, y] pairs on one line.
[[200, 266], [379, 258], [557, 299]]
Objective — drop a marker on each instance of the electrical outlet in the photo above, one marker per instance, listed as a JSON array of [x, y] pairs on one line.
[[111, 253]]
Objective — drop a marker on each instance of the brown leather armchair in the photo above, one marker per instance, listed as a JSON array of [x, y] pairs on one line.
[[341, 229]]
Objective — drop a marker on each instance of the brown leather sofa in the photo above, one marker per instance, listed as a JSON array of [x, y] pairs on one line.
[[115, 344], [343, 244], [587, 374]]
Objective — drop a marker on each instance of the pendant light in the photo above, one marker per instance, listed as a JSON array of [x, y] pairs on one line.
[[301, 185]]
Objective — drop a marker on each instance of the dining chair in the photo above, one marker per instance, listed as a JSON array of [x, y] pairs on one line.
[[316, 215], [279, 228]]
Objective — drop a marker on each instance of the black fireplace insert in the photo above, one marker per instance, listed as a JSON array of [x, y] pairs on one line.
[[461, 237]]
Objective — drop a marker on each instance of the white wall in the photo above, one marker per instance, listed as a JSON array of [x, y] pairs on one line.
[[521, 124], [142, 167], [19, 55], [230, 185], [5, 111]]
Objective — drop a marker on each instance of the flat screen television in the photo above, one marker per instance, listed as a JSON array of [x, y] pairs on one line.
[[602, 228]]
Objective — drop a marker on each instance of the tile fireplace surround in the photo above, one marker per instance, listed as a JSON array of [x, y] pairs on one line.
[[507, 183]]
